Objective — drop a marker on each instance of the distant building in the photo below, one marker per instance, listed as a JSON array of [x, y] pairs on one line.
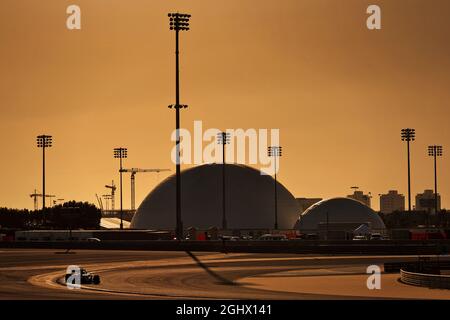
[[305, 203], [426, 201], [392, 201], [361, 197]]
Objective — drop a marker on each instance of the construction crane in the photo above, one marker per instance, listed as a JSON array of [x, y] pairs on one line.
[[99, 202], [133, 172], [113, 193], [35, 197], [107, 197]]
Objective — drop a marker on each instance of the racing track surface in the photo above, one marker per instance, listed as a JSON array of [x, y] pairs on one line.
[[37, 273]]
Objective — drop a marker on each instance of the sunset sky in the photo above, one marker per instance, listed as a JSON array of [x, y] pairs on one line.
[[338, 92]]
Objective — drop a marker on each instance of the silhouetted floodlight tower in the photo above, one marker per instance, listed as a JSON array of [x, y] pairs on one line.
[[435, 151], [178, 22], [408, 135], [223, 138], [121, 153], [44, 141], [275, 152]]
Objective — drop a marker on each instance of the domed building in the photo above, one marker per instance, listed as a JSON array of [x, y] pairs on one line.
[[249, 200], [338, 214]]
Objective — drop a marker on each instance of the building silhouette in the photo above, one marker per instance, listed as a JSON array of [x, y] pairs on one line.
[[392, 201], [426, 201], [361, 197]]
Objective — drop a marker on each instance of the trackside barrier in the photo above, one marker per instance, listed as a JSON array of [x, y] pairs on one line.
[[425, 280], [395, 267], [300, 247]]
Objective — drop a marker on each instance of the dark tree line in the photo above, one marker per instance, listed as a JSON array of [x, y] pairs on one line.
[[84, 215], [72, 214]]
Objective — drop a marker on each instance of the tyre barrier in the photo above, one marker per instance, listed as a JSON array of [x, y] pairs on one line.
[[434, 281]]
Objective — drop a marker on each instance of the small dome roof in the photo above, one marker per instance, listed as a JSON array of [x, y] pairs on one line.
[[339, 210]]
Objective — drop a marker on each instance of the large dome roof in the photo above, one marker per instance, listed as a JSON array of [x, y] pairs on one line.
[[339, 210], [249, 200]]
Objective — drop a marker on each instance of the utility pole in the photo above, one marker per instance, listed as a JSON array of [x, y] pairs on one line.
[[223, 138], [435, 151], [121, 153], [408, 135], [275, 152], [178, 22], [43, 141]]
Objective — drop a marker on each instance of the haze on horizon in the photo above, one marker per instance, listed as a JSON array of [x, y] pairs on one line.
[[338, 92]]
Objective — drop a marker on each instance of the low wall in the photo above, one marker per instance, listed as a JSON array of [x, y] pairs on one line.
[[300, 247], [425, 280]]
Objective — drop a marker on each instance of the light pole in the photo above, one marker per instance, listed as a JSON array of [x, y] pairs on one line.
[[120, 153], [435, 151], [43, 141], [275, 152], [408, 135], [223, 138], [178, 22]]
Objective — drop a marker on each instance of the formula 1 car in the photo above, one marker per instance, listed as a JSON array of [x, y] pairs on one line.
[[85, 277]]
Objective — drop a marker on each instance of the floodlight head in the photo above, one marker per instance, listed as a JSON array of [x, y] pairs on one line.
[[274, 151], [223, 138], [44, 141], [179, 21], [435, 151], [120, 153], [408, 134]]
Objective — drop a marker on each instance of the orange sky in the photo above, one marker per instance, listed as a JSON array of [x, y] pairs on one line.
[[338, 92]]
